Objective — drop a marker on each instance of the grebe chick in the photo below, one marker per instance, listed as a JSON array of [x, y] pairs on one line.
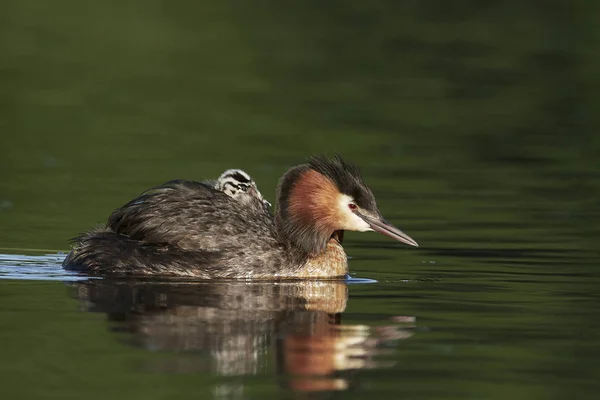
[[239, 185], [185, 228]]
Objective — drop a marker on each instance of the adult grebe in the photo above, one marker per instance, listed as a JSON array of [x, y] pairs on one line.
[[187, 228]]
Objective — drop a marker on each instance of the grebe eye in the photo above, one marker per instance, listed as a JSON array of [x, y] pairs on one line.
[[352, 206]]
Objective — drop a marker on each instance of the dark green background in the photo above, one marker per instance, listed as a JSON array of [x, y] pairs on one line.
[[475, 123]]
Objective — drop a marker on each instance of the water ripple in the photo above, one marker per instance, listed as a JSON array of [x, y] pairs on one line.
[[43, 267]]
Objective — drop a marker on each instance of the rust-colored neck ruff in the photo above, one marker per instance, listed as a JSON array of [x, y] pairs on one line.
[[306, 213], [312, 200]]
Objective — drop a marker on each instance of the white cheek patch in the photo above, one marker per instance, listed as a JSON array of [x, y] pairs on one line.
[[351, 221], [358, 224]]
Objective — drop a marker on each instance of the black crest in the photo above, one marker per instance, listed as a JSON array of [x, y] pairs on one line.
[[347, 178]]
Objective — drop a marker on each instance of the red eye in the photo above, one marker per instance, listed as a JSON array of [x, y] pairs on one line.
[[352, 206]]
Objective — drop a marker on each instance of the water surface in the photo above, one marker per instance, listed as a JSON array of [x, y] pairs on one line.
[[475, 125]]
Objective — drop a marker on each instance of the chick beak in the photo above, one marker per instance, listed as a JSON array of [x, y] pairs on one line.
[[378, 224]]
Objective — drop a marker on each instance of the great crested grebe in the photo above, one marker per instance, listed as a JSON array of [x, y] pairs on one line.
[[187, 228]]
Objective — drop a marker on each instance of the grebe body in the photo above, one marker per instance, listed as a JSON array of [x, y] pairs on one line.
[[223, 229]]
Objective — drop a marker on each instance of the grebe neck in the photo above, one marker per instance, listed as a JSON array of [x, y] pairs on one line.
[[301, 217]]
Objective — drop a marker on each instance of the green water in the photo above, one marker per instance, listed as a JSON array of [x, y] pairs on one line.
[[475, 125]]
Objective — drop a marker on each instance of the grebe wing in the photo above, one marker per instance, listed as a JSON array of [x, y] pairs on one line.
[[192, 215]]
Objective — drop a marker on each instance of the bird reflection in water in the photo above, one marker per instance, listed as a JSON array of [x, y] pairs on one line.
[[241, 328]]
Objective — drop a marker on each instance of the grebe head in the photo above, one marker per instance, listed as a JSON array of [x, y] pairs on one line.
[[321, 199], [237, 184]]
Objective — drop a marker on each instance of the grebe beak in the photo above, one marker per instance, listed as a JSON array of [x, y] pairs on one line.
[[380, 225]]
